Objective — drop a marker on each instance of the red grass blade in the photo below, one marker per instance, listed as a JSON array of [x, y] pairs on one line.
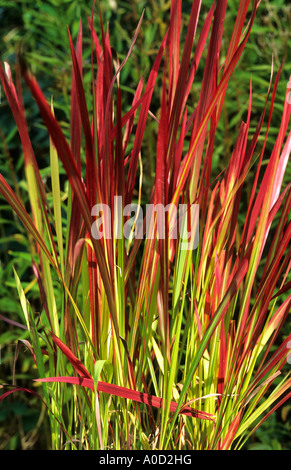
[[142, 123], [19, 209], [123, 392], [87, 381], [76, 183], [76, 363]]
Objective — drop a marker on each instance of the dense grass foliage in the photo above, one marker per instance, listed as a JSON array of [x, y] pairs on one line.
[[137, 343]]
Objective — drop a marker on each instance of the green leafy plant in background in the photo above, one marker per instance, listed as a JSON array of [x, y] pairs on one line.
[[137, 343]]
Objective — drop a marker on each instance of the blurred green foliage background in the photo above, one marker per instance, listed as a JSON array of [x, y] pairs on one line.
[[39, 29]]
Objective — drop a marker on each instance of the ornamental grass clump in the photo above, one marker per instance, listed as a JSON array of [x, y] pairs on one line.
[[165, 334]]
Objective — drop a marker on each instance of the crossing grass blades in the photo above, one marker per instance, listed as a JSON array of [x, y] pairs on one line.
[[141, 344]]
